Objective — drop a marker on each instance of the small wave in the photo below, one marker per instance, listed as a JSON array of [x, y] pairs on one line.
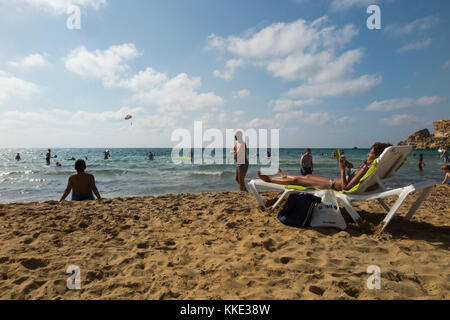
[[208, 173]]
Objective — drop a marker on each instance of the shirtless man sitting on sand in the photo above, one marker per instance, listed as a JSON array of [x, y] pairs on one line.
[[81, 184]]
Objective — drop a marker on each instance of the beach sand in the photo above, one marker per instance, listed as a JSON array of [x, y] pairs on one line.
[[218, 246]]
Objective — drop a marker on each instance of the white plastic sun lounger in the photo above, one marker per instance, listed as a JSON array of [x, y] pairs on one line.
[[371, 187]]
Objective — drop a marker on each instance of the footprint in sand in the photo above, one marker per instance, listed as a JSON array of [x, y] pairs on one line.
[[316, 290], [33, 264]]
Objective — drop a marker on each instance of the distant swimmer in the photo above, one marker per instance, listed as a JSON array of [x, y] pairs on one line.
[[58, 164], [106, 154], [81, 184], [71, 159], [151, 156], [445, 156], [48, 156], [269, 154], [420, 163], [86, 158], [18, 157]]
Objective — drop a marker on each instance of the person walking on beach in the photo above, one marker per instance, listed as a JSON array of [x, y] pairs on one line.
[[446, 169], [420, 163], [240, 156], [18, 157], [306, 163], [48, 156], [81, 184]]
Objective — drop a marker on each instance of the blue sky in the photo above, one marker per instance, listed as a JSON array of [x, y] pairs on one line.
[[309, 68]]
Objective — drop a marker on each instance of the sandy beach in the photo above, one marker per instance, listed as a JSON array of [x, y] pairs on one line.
[[218, 246]]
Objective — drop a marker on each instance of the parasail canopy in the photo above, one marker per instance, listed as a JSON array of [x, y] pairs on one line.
[[128, 117]]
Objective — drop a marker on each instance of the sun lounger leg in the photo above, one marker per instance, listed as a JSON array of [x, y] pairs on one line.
[[383, 205], [394, 209], [418, 202], [281, 198], [258, 198], [348, 206]]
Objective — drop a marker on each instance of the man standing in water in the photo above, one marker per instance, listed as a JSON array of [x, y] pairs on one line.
[[18, 157], [48, 156], [306, 163], [240, 156], [106, 154]]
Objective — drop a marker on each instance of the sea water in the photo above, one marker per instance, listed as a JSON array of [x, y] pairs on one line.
[[129, 172]]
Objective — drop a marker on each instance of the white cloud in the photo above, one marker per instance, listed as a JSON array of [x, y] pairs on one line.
[[13, 87], [415, 46], [287, 104], [339, 5], [107, 65], [33, 60], [170, 94], [56, 6], [396, 104], [338, 88], [299, 51], [241, 94], [230, 69], [400, 119], [417, 26], [345, 120], [148, 87]]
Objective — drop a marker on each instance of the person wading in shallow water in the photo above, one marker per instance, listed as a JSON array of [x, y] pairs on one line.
[[81, 184]]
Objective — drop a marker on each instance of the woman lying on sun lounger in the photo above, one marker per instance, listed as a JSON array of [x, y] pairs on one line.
[[344, 182]]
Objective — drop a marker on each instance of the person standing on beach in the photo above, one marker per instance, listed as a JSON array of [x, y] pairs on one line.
[[306, 163], [18, 157], [240, 156], [81, 184], [420, 163], [48, 156], [446, 169]]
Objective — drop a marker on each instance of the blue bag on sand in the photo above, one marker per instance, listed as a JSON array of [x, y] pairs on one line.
[[298, 209]]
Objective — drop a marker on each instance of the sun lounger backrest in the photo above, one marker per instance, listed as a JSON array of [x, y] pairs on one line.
[[388, 163], [391, 160]]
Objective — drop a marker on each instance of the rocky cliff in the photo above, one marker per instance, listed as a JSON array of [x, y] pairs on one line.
[[423, 139]]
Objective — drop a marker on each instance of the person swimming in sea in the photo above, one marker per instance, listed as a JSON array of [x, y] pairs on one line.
[[81, 184], [151, 156], [420, 163], [344, 182], [58, 164]]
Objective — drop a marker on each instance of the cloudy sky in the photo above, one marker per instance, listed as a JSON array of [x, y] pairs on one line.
[[309, 68]]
